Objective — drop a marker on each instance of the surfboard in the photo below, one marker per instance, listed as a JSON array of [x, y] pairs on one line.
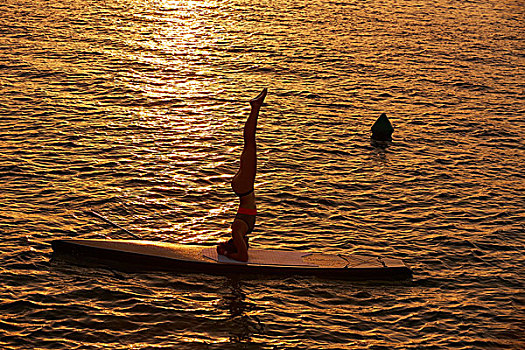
[[164, 256]]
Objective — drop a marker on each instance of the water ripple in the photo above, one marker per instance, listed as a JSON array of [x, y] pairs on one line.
[[135, 109]]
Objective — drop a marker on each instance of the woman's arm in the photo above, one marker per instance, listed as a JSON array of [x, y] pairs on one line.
[[240, 244]]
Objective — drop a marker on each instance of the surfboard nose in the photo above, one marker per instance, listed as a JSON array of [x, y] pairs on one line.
[[382, 129]]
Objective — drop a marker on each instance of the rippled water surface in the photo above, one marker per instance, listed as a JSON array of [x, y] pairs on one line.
[[134, 109]]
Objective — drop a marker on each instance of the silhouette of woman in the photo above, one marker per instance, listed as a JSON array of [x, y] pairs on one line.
[[243, 186]]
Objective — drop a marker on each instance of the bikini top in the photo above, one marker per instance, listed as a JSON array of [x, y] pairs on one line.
[[245, 193]]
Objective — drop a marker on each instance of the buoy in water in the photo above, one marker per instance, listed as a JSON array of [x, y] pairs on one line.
[[382, 129]]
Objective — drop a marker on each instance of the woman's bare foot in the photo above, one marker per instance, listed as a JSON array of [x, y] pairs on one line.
[[258, 101]]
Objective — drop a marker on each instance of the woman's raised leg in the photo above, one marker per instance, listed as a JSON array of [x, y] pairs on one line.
[[244, 180]]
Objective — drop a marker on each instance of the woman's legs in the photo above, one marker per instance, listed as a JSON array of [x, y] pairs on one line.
[[244, 180]]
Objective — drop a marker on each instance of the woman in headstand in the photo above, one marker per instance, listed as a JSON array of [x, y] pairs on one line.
[[243, 186]]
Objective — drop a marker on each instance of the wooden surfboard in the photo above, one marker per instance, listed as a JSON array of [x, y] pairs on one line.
[[163, 256]]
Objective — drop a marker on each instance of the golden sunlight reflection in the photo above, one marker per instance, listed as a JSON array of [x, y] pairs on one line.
[[135, 109], [177, 38]]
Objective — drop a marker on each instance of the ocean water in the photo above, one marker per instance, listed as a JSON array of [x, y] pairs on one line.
[[134, 108]]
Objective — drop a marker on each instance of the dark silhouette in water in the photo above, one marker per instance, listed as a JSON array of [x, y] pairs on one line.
[[382, 129], [243, 186]]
